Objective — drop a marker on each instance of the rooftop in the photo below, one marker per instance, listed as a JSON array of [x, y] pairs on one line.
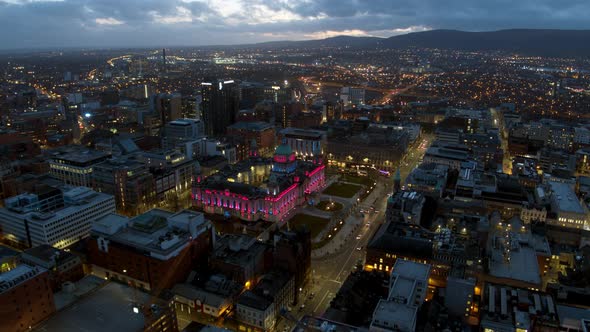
[[47, 253], [78, 155], [159, 232], [411, 270], [404, 317], [18, 275], [237, 249], [516, 307], [7, 252], [512, 256], [565, 197], [302, 133], [110, 308], [75, 199]]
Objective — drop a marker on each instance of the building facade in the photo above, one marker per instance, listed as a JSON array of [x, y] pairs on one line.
[[152, 251], [58, 217], [260, 188], [26, 298]]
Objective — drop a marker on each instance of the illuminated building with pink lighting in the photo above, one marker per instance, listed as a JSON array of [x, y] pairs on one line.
[[260, 188]]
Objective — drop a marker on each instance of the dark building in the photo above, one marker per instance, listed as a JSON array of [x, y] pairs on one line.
[[62, 266], [26, 298], [109, 97], [219, 105], [168, 107], [292, 252]]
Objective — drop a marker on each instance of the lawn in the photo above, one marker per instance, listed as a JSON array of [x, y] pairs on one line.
[[340, 189], [314, 224], [326, 206], [362, 180]]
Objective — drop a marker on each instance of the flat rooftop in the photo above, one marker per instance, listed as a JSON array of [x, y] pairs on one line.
[[522, 265], [411, 270], [303, 133], [566, 198], [80, 155], [403, 315], [110, 308], [447, 153]]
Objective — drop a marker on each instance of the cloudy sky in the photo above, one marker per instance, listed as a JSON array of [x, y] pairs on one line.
[[122, 23]]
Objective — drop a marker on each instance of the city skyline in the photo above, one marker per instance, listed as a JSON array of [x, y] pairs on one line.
[[57, 24]]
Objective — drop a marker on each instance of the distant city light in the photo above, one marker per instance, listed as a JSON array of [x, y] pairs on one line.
[[87, 115]]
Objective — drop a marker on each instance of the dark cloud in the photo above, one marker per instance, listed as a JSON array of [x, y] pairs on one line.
[[70, 23]]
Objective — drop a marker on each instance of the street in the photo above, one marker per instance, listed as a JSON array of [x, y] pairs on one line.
[[330, 271]]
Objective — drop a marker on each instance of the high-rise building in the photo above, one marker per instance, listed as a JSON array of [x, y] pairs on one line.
[[219, 105], [168, 106]]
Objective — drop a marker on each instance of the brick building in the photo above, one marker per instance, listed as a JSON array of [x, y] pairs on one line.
[[154, 250], [26, 298]]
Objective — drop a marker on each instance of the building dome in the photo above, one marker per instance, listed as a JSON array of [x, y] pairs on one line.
[[283, 150]]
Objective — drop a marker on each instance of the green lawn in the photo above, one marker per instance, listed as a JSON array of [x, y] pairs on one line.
[[362, 180], [342, 189], [326, 206], [314, 224]]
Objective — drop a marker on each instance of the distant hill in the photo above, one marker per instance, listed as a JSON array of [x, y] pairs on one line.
[[523, 41], [338, 41]]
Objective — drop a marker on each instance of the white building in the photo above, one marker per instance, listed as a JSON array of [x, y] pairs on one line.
[[304, 141], [408, 285], [55, 217], [571, 212], [261, 306]]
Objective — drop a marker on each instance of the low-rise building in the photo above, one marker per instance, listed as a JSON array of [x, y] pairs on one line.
[[240, 257], [506, 308], [153, 251], [405, 206], [260, 188], [260, 307], [74, 164], [62, 266], [58, 217], [571, 212], [428, 178], [130, 181], [26, 298], [450, 156], [304, 141], [261, 132], [408, 287]]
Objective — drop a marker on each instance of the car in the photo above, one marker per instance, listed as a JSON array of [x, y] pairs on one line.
[[358, 237], [359, 248]]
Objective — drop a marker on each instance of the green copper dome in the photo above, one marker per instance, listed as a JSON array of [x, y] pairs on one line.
[[283, 150]]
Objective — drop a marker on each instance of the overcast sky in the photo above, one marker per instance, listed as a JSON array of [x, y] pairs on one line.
[[128, 23]]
